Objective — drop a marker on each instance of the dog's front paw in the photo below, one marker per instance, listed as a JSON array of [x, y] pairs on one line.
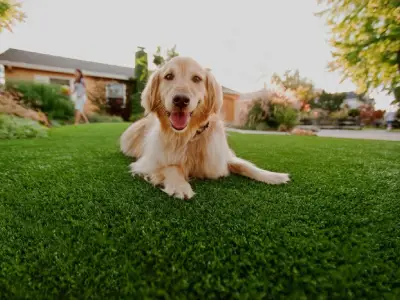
[[135, 170], [274, 178], [181, 190]]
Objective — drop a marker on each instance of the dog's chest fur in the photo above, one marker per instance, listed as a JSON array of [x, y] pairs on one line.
[[203, 156]]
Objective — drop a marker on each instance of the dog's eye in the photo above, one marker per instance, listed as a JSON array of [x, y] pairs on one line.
[[196, 79], [169, 76]]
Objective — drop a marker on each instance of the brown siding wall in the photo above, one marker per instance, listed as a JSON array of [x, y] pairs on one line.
[[28, 74], [229, 107]]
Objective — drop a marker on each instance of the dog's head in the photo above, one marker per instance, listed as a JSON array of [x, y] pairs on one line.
[[182, 94]]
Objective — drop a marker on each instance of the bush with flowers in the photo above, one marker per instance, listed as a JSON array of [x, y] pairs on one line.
[[274, 109]]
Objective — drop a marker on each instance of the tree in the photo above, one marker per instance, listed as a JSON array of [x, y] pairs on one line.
[[10, 12], [141, 69], [301, 86], [141, 76], [328, 101], [366, 42], [159, 59], [142, 73]]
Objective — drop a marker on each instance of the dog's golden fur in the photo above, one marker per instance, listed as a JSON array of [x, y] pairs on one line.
[[169, 157]]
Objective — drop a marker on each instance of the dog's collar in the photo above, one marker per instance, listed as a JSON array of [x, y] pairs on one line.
[[201, 129]]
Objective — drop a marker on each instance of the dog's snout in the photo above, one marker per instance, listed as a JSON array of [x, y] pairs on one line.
[[181, 101]]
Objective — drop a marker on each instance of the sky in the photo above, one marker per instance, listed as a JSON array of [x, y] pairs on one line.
[[243, 41]]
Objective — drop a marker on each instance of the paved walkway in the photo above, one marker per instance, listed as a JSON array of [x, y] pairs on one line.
[[350, 134]]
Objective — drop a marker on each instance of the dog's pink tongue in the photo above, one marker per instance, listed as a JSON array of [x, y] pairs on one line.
[[179, 119]]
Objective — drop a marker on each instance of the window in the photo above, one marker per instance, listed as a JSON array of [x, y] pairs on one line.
[[59, 81], [116, 92], [41, 79], [53, 80]]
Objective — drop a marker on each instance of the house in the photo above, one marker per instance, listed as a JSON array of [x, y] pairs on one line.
[[354, 101], [25, 65], [230, 104], [44, 68]]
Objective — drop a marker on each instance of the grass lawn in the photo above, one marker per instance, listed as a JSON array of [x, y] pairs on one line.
[[74, 223]]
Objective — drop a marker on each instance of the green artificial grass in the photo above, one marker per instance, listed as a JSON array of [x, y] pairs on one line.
[[75, 224]]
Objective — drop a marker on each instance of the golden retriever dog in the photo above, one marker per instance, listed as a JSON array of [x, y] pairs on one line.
[[182, 135]]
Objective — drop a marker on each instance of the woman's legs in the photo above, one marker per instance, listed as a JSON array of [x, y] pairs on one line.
[[77, 117], [84, 117], [389, 125], [79, 110]]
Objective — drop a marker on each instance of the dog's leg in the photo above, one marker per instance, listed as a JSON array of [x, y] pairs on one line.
[[175, 183], [171, 178], [131, 141], [245, 168]]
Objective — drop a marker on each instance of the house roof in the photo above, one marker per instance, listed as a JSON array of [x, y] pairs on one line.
[[39, 61], [351, 95], [225, 90], [253, 95]]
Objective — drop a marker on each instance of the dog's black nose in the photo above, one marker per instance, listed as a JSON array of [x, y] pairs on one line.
[[181, 101]]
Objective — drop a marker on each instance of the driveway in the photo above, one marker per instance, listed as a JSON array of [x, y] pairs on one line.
[[349, 134]]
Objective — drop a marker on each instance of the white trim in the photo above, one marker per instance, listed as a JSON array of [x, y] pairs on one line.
[[47, 79], [70, 80], [60, 70], [41, 79]]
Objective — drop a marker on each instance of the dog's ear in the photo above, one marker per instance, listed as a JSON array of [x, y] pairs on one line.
[[150, 95], [214, 97]]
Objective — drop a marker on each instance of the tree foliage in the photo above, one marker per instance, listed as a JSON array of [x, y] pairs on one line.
[[141, 69], [328, 101], [302, 87], [142, 73], [10, 12], [159, 59], [141, 76], [366, 41]]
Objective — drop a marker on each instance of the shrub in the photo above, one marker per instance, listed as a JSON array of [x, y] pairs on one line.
[[305, 115], [98, 118], [367, 114], [12, 127], [256, 114], [308, 118], [136, 117], [274, 108], [354, 113], [136, 106], [262, 126], [47, 98], [379, 114], [318, 113], [340, 114], [286, 116]]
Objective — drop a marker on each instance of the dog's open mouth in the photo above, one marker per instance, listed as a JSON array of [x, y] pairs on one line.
[[179, 119]]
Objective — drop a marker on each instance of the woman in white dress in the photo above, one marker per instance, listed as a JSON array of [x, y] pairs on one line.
[[390, 116], [80, 97]]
